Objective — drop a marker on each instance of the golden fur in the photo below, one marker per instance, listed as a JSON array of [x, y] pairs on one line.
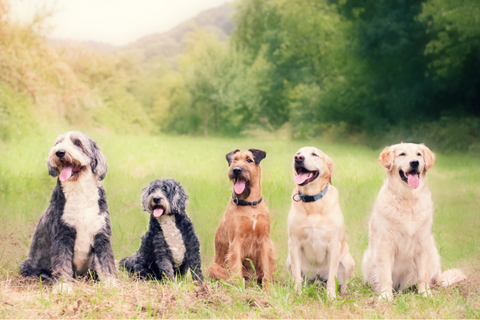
[[316, 230], [401, 250]]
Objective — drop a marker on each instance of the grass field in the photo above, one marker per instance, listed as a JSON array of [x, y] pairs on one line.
[[199, 165]]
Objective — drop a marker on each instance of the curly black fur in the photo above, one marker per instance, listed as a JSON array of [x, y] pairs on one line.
[[154, 258]]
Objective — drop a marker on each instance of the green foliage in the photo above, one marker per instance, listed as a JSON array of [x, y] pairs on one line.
[[370, 71], [375, 67], [41, 85], [300, 42], [16, 113], [213, 91]]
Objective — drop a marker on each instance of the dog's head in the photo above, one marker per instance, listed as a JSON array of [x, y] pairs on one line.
[[312, 166], [407, 162], [245, 170], [164, 196], [75, 154]]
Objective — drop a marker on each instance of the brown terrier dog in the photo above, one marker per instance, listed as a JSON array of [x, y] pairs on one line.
[[243, 237]]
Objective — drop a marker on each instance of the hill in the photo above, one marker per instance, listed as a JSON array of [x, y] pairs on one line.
[[171, 43]]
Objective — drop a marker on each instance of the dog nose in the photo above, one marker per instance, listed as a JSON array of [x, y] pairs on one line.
[[156, 200], [414, 163], [60, 153], [237, 171], [299, 158]]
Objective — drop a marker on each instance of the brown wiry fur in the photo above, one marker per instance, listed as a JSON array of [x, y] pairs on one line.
[[244, 232]]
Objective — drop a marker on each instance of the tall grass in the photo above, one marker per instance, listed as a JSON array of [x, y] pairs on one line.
[[199, 165]]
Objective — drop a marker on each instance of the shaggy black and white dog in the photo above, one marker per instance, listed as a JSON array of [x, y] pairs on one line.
[[170, 246], [73, 234]]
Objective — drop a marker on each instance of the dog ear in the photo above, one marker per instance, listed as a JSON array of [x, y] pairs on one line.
[[98, 163], [429, 157], [144, 197], [180, 198], [330, 167], [258, 155], [229, 156], [387, 158], [53, 171]]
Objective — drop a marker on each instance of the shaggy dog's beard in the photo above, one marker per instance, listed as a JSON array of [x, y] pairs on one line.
[[69, 168]]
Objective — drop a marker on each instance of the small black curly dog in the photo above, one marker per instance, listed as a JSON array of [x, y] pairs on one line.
[[170, 246]]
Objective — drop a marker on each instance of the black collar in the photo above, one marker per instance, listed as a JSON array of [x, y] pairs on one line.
[[239, 202], [306, 198]]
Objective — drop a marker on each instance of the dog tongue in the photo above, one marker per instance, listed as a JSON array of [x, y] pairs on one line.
[[157, 212], [239, 186], [301, 178], [66, 173], [413, 180]]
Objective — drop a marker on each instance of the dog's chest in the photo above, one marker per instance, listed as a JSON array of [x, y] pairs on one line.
[[314, 244], [82, 212], [174, 238], [412, 218]]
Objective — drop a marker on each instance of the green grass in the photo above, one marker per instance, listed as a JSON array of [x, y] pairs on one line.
[[200, 166]]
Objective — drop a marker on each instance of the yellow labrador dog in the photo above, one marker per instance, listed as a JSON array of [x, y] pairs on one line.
[[316, 231], [401, 249]]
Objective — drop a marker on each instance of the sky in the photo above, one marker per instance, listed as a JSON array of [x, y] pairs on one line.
[[116, 22]]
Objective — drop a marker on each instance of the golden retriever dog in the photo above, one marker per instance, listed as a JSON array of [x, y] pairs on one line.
[[316, 230], [401, 249], [243, 237]]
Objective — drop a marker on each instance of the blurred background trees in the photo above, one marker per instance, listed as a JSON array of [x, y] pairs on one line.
[[369, 71]]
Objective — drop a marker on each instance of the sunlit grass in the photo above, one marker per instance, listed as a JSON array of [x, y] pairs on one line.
[[200, 166]]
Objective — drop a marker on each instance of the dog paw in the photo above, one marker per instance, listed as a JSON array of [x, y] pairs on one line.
[[426, 293], [111, 282], [197, 283], [62, 288], [331, 294], [297, 287], [385, 296]]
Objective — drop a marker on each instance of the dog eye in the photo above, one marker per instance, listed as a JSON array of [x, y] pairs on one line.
[[314, 154], [249, 160], [402, 154], [152, 190], [419, 154], [78, 143]]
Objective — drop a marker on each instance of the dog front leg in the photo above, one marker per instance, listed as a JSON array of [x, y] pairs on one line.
[[61, 254], [294, 252], [165, 268], [267, 260], [234, 258], [348, 265], [163, 258], [192, 254], [104, 258], [422, 262], [194, 262], [383, 265], [334, 259]]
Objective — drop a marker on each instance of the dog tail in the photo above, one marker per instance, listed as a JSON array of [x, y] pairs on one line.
[[449, 277]]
